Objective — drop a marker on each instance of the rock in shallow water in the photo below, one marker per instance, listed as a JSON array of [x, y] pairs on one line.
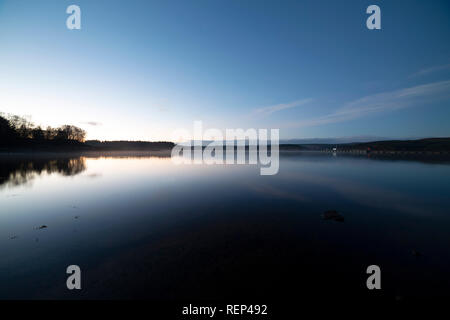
[[332, 215], [416, 253]]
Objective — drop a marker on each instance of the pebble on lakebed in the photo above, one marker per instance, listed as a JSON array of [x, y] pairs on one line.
[[416, 253], [332, 215]]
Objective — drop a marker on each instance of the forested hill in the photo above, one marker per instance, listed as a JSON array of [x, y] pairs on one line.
[[431, 144], [129, 145], [420, 145]]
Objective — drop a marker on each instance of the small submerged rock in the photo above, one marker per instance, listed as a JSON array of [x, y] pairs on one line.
[[332, 215], [416, 253], [41, 227]]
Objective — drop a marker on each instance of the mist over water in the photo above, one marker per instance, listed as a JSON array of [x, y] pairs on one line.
[[141, 227]]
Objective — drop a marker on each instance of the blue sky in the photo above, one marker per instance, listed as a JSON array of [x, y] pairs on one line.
[[142, 69]]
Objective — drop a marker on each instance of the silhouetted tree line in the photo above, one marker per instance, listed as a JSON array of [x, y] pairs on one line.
[[16, 130], [130, 145], [19, 132]]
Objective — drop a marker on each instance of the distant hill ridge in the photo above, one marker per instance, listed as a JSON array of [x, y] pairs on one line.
[[428, 144], [129, 145]]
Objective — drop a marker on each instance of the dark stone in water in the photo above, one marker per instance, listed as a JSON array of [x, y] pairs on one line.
[[42, 227], [416, 253], [332, 215]]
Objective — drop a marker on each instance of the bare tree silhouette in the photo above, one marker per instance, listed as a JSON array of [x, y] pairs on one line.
[[16, 130]]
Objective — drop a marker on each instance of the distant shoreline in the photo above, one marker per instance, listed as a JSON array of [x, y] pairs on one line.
[[431, 146], [30, 146]]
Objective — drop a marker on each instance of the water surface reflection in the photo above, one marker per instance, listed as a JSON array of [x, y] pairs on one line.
[[14, 171], [142, 227]]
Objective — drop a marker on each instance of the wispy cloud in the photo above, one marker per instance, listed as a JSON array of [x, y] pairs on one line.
[[430, 70], [381, 102], [279, 107], [93, 123]]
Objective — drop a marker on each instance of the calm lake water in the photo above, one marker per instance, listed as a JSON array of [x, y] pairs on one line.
[[142, 227]]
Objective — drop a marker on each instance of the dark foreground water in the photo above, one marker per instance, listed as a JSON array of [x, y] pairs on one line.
[[142, 227]]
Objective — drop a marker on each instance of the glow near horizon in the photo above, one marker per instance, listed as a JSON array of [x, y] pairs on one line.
[[144, 69]]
